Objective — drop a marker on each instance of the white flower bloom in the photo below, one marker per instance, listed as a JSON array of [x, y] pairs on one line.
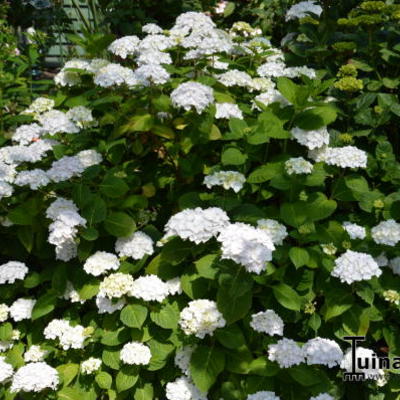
[[4, 311], [136, 246], [5, 345], [273, 69], [114, 74], [125, 46], [263, 395], [191, 22], [386, 232], [235, 77], [197, 225], [6, 370], [89, 158], [366, 356], [26, 134], [268, 97], [227, 179], [151, 29], [34, 354], [15, 334], [201, 318], [116, 285], [174, 286], [323, 351], [298, 165], [67, 77], [355, 231], [7, 172], [382, 260], [153, 57], [31, 153], [183, 389], [342, 157], [96, 64], [155, 43], [55, 121], [286, 352], [70, 337], [90, 365], [312, 139], [149, 288], [59, 207], [6, 190], [246, 245], [228, 110], [295, 72], [355, 266], [107, 306], [303, 9], [135, 353], [182, 359], [322, 396], [21, 309], [274, 229], [34, 377], [192, 95], [35, 179], [148, 74], [81, 116], [72, 295], [12, 271], [261, 85], [101, 262], [394, 264], [268, 322], [39, 106]]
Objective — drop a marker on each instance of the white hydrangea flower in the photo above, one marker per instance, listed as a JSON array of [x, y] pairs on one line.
[[72, 295], [342, 157], [235, 77], [286, 352], [116, 285], [35, 179], [200, 318], [323, 351], [39, 106], [107, 306], [149, 288], [66, 77], [125, 46], [273, 69], [7, 172], [4, 311], [6, 190], [274, 229], [197, 225], [263, 395], [34, 377], [268, 97], [81, 116], [329, 248], [382, 260], [5, 345], [295, 72], [261, 85], [183, 389], [89, 158], [34, 354], [322, 396], [192, 95], [15, 334], [136, 246], [151, 29], [394, 265], [96, 64], [246, 245], [355, 231], [312, 139], [386, 232], [26, 134], [227, 179], [148, 74], [303, 9], [228, 110], [363, 354], [135, 353], [268, 322], [155, 43], [354, 266], [6, 370], [182, 359], [30, 154], [114, 74], [90, 365], [12, 271], [21, 309], [101, 262], [298, 165], [153, 57], [55, 121], [70, 337], [174, 286]]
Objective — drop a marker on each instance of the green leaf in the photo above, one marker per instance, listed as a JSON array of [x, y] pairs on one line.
[[68, 372], [116, 337], [233, 156], [316, 117], [231, 337], [113, 187], [206, 266], [126, 378], [307, 375], [265, 172], [71, 393], [95, 211], [44, 305], [287, 297], [111, 359], [104, 380], [25, 236], [167, 316], [237, 129], [89, 289], [144, 393], [139, 123], [206, 363], [296, 94], [299, 256], [133, 315], [269, 127], [229, 9], [6, 331], [119, 224]]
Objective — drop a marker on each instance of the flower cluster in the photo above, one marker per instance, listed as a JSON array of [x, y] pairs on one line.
[[227, 179], [70, 337]]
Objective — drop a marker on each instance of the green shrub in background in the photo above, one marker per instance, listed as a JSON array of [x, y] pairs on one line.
[[193, 217]]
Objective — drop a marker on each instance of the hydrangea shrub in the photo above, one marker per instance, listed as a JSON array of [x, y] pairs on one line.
[[180, 222]]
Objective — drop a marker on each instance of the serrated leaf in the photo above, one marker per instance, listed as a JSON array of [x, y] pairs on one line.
[[133, 315]]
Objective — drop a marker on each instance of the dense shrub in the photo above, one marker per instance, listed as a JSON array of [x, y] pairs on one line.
[[193, 218]]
